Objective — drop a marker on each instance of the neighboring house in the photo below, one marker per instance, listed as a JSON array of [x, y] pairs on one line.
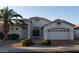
[[41, 28], [19, 28]]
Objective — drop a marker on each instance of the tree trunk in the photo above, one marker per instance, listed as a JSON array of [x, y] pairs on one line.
[[5, 29], [5, 36]]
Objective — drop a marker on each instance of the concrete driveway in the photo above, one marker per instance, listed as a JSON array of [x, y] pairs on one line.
[[11, 46], [7, 43], [52, 49]]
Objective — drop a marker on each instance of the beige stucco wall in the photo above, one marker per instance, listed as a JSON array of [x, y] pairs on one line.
[[39, 23], [77, 33], [20, 31], [14, 31]]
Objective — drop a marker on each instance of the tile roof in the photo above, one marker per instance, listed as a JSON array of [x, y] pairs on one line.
[[76, 27], [59, 20], [41, 18]]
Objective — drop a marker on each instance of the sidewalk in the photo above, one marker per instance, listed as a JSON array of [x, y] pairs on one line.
[[53, 49], [61, 49]]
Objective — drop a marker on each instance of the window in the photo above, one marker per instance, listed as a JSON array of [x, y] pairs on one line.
[[48, 30], [53, 30], [64, 30], [59, 30], [58, 23], [67, 30], [56, 30], [36, 19], [36, 32], [24, 27], [16, 28]]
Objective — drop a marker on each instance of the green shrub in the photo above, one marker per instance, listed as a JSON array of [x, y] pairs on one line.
[[27, 42], [45, 42], [13, 36]]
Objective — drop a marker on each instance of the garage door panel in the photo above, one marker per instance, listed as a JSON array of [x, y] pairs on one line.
[[58, 35]]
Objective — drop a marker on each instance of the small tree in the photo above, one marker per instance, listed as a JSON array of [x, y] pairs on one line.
[[45, 42], [26, 42]]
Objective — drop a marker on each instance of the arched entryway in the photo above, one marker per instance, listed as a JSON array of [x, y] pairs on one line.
[[36, 33]]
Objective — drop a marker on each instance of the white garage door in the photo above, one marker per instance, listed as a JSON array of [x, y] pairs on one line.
[[58, 34]]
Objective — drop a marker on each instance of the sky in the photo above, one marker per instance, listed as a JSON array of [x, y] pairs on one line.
[[68, 13]]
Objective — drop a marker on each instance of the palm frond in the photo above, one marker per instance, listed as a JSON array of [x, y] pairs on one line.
[[22, 21], [14, 14], [17, 15], [7, 14]]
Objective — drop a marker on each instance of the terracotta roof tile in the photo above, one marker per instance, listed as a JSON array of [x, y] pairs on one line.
[[76, 27]]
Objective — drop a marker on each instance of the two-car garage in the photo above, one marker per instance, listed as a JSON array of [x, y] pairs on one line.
[[59, 30]]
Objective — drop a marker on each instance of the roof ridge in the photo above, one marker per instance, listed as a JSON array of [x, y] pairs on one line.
[[60, 20], [39, 18]]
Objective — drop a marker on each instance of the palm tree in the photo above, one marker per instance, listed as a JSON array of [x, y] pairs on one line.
[[6, 16]]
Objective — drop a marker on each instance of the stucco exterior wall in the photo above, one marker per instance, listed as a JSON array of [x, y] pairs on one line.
[[44, 30], [24, 33], [63, 25], [76, 33], [13, 30], [29, 30], [39, 23]]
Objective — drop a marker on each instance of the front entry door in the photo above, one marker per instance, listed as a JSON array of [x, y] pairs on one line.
[[36, 34]]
